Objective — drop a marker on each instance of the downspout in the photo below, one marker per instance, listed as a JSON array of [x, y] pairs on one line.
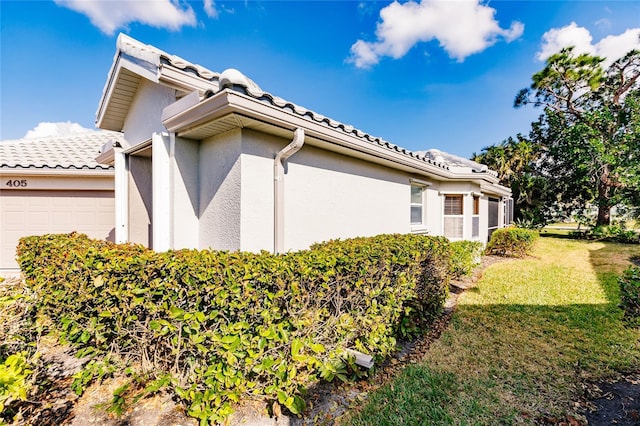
[[278, 188], [172, 166]]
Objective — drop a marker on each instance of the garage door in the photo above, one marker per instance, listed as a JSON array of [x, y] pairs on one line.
[[25, 213]]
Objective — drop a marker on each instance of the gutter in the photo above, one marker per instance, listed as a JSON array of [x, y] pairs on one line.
[[45, 171], [278, 188], [229, 102]]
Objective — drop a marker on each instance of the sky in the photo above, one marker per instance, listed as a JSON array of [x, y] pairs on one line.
[[420, 74]]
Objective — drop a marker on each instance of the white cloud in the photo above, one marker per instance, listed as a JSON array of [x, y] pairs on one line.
[[110, 15], [611, 47], [210, 8], [46, 129], [461, 27]]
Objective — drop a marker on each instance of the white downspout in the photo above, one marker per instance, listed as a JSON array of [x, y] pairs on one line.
[[278, 188]]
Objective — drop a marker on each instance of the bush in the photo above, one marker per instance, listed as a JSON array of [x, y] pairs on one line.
[[630, 294], [617, 233], [465, 255], [511, 242], [15, 375], [228, 326]]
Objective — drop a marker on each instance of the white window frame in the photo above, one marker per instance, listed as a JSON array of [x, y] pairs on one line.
[[462, 196], [416, 183]]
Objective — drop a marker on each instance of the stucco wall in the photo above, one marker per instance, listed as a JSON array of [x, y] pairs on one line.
[[185, 193], [328, 195], [140, 203], [258, 153], [145, 112], [219, 191], [433, 207]]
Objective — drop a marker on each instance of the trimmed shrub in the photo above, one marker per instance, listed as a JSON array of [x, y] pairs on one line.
[[617, 233], [227, 326], [465, 255], [511, 242], [630, 294]]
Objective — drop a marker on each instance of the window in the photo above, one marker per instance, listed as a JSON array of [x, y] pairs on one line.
[[453, 215], [453, 204], [475, 220], [508, 215], [493, 216], [416, 205]]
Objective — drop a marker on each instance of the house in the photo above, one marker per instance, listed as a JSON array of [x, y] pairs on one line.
[[54, 185], [209, 160]]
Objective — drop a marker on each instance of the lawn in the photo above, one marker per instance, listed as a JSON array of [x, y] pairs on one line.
[[521, 344]]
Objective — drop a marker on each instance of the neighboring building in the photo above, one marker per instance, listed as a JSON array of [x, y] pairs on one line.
[[54, 185], [211, 160]]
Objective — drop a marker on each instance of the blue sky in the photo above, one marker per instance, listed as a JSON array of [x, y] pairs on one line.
[[419, 74]]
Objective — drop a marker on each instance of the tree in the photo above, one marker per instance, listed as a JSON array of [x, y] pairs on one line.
[[589, 133], [515, 162]]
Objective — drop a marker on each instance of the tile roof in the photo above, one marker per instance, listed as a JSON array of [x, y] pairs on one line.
[[71, 152], [235, 80], [453, 161], [153, 55], [232, 79]]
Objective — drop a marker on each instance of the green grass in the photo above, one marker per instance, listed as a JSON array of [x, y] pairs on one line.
[[520, 344]]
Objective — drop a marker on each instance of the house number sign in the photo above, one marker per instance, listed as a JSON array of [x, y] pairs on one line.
[[16, 183]]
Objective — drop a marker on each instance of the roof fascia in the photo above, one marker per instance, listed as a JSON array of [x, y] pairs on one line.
[[31, 171], [139, 147], [135, 65], [184, 81], [496, 189], [228, 102], [107, 157]]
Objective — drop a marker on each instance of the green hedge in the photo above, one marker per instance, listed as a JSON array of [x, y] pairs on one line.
[[511, 242], [465, 255], [630, 294], [236, 325]]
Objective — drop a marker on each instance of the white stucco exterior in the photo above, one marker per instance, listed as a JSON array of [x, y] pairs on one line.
[[220, 191], [200, 160], [330, 196], [143, 119]]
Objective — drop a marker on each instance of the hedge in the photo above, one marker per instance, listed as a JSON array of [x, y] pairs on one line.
[[232, 325], [511, 242], [629, 283], [465, 255]]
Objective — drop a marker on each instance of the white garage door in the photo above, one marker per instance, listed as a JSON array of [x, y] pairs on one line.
[[25, 213]]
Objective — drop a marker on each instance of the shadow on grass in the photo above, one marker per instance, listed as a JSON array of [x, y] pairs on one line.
[[551, 234], [504, 364]]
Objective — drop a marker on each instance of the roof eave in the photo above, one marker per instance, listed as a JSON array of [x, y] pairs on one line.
[[115, 79], [228, 102], [496, 189], [107, 157], [50, 171]]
